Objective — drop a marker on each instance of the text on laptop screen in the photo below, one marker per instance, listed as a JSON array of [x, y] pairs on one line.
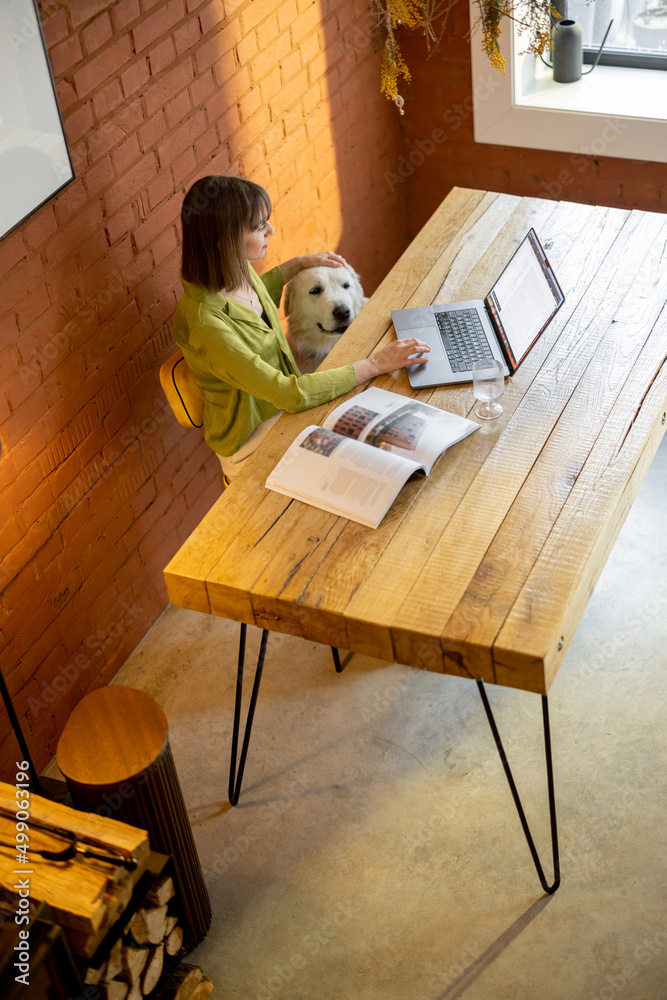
[[524, 299]]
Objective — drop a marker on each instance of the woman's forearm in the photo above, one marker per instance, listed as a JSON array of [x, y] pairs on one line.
[[364, 371], [290, 268]]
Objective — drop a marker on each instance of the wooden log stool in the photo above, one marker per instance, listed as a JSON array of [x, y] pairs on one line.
[[115, 754]]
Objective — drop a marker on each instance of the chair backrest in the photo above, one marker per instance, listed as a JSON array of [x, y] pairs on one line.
[[183, 394]]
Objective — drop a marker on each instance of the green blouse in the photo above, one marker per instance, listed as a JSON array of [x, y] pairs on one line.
[[245, 368]]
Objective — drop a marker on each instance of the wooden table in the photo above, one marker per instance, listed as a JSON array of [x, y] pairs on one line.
[[482, 569]]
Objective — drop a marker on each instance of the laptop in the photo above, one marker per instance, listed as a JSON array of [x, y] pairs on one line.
[[506, 325]]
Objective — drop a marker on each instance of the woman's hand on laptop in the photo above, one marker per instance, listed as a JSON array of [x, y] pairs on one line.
[[398, 354]]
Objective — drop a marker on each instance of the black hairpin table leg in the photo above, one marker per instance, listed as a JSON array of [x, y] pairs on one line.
[[515, 795], [235, 778], [338, 663], [20, 738]]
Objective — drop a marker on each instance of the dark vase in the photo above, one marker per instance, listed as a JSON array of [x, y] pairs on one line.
[[568, 51]]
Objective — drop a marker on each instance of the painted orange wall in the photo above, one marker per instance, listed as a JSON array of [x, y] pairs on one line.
[[98, 484]]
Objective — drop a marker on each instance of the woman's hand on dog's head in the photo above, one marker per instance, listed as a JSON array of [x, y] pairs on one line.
[[325, 259]]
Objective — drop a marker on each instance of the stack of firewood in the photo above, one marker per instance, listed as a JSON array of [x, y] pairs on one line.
[[136, 961], [93, 896], [87, 895]]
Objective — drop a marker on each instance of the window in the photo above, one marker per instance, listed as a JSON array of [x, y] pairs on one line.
[[613, 111], [638, 35]]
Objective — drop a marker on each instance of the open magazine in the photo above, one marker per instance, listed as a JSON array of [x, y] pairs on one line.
[[367, 449]]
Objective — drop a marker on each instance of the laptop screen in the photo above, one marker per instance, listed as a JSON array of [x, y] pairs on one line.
[[524, 300]]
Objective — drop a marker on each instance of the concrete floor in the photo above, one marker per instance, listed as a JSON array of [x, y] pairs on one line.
[[376, 853]]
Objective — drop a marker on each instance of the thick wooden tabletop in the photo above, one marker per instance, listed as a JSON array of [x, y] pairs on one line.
[[482, 569]]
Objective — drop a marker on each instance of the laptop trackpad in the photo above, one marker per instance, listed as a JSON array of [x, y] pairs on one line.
[[420, 334], [414, 319]]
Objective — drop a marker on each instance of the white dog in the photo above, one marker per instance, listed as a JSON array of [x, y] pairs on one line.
[[320, 304]]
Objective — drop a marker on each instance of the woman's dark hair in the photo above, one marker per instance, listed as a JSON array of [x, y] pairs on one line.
[[217, 211]]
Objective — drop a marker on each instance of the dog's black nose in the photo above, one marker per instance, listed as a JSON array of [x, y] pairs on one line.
[[341, 313]]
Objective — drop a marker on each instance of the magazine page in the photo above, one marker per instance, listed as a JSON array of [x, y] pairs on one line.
[[399, 425], [338, 474]]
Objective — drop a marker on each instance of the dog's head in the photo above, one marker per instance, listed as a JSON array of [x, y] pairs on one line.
[[324, 299]]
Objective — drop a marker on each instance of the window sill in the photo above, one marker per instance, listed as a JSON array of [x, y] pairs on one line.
[[614, 111]]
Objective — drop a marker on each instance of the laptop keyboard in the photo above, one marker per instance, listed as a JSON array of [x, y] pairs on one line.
[[463, 338]]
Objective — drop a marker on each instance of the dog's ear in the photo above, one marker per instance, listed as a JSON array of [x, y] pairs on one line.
[[354, 274], [357, 280], [289, 294]]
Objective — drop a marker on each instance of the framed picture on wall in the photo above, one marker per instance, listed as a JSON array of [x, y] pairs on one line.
[[34, 157]]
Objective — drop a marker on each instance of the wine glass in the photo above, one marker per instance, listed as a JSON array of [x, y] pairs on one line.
[[488, 382]]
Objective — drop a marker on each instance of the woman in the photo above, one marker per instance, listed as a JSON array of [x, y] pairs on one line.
[[227, 322]]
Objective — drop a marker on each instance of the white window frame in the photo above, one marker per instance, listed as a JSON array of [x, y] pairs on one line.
[[615, 111]]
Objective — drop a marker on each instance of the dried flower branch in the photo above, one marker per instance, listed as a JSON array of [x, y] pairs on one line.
[[533, 17], [409, 14]]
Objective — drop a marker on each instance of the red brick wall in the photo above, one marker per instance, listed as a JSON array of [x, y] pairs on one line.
[[440, 96], [98, 484]]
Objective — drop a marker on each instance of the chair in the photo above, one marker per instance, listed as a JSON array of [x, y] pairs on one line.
[[183, 394]]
